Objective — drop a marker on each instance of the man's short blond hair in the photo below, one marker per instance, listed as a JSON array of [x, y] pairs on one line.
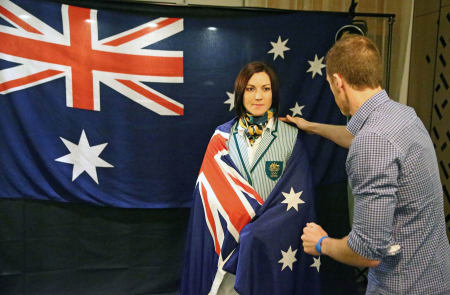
[[357, 59]]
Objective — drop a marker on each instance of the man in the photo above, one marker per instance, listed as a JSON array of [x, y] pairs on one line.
[[398, 226]]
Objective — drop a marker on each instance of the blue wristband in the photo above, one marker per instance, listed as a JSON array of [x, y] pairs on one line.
[[319, 244]]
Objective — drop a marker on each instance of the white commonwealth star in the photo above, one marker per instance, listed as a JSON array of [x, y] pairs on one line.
[[316, 263], [84, 157], [292, 199], [288, 258], [230, 100], [316, 66], [278, 48], [297, 110]]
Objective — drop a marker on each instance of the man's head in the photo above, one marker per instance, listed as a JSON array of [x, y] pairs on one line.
[[356, 59], [354, 71]]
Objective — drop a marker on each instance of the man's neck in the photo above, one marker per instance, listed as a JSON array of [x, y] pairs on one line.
[[359, 97]]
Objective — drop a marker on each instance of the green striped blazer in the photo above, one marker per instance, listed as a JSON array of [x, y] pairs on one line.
[[270, 159]]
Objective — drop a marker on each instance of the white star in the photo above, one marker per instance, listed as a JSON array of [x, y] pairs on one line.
[[230, 100], [297, 110], [84, 157], [288, 258], [316, 263], [278, 48], [315, 66], [292, 199]]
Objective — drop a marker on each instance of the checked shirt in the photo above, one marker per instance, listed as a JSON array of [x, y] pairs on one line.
[[398, 214]]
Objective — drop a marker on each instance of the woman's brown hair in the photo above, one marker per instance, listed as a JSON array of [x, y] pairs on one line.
[[241, 82]]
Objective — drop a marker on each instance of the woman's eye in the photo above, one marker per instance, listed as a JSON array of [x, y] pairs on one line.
[[267, 89], [249, 89]]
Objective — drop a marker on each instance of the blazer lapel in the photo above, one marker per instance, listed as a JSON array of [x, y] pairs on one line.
[[264, 146], [241, 149]]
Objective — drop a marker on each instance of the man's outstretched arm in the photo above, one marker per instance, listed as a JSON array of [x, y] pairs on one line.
[[336, 133]]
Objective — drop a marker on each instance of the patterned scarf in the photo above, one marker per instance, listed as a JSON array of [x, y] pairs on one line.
[[254, 126]]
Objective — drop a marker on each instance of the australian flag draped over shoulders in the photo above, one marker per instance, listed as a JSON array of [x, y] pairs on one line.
[[232, 229], [115, 105]]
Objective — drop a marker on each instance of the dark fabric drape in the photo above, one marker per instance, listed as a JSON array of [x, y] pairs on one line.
[[59, 248], [332, 215]]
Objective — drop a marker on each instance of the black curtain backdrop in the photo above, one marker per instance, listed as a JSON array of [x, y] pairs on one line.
[[67, 248], [332, 215], [61, 248]]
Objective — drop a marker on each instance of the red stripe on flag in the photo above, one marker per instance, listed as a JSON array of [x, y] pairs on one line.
[[80, 40], [142, 32], [248, 189], [28, 79], [18, 21], [91, 59], [159, 100], [223, 191], [210, 218], [219, 142]]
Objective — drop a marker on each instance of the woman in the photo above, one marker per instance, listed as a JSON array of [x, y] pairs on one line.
[[261, 145], [245, 216]]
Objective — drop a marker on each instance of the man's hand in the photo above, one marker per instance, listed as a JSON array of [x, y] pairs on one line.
[[336, 133], [301, 123], [311, 235]]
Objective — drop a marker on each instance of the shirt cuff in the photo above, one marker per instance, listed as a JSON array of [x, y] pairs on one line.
[[365, 249], [349, 129]]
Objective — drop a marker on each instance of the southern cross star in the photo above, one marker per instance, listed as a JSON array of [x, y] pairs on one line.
[[230, 100], [316, 263], [278, 48], [296, 110], [315, 66], [288, 258], [292, 199]]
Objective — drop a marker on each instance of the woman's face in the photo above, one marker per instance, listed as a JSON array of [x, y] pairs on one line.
[[258, 94]]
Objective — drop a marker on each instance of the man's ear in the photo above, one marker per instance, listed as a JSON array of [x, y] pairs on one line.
[[337, 81]]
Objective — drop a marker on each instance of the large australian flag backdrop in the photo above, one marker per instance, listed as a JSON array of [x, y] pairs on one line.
[[116, 106]]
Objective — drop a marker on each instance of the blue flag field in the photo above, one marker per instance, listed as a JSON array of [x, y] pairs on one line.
[[106, 109], [116, 109]]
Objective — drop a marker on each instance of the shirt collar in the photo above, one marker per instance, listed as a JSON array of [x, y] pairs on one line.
[[357, 121]]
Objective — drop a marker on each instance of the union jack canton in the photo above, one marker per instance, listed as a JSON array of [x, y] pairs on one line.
[[44, 54]]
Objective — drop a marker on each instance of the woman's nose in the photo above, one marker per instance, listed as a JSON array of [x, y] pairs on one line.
[[258, 94]]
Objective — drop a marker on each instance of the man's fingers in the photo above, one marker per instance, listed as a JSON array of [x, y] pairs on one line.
[[308, 229], [311, 224], [290, 119], [286, 119]]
